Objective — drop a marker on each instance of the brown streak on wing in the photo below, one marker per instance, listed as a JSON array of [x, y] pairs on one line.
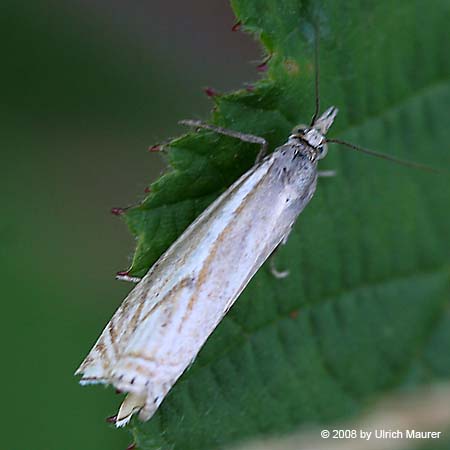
[[113, 336], [141, 370], [180, 285], [169, 298], [203, 272], [151, 359], [100, 348], [135, 319], [139, 356], [144, 293]]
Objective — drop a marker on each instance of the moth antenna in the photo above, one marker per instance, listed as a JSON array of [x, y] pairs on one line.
[[316, 73], [402, 162]]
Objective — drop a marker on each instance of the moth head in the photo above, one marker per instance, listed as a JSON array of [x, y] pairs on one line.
[[313, 138], [314, 134]]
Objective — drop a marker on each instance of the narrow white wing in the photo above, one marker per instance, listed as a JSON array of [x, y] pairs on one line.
[[165, 320], [157, 284]]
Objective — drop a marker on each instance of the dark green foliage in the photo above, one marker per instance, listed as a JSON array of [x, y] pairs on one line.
[[365, 309]]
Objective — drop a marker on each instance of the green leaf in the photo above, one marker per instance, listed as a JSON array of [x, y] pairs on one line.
[[365, 309]]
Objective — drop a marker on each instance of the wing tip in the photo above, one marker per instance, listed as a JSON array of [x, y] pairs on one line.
[[91, 374], [84, 381]]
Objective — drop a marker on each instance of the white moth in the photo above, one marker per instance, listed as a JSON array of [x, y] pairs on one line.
[[163, 323]]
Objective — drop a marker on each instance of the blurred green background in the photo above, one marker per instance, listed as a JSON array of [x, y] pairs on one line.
[[87, 86]]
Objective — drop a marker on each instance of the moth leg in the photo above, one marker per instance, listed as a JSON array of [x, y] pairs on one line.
[[122, 277], [326, 173], [273, 270], [279, 274], [252, 139]]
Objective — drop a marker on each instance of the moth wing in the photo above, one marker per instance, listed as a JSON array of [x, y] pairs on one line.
[[97, 365], [166, 280], [158, 351]]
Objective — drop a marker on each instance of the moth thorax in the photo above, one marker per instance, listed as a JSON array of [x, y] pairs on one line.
[[313, 137], [315, 140]]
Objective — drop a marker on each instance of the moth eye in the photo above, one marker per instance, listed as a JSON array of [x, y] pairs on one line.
[[322, 151], [300, 129]]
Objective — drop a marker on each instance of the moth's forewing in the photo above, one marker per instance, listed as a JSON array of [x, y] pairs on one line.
[[165, 320]]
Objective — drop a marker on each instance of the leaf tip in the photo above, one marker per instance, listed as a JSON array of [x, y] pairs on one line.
[[118, 211], [155, 148], [211, 92], [237, 26]]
